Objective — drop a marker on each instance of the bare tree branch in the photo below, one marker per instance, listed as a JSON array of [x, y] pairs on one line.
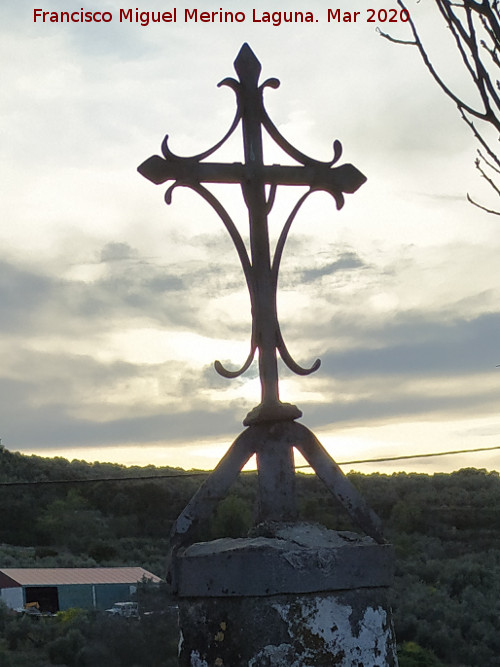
[[483, 208], [390, 38], [486, 177], [490, 165], [483, 115], [475, 29], [480, 138]]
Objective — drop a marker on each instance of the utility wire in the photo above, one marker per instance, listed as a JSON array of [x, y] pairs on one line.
[[414, 456], [205, 473]]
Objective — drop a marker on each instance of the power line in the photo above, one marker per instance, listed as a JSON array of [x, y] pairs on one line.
[[200, 473], [93, 480], [414, 456]]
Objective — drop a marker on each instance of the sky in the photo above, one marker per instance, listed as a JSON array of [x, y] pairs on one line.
[[114, 306]]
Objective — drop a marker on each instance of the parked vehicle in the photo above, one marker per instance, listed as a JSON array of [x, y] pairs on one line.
[[125, 609], [32, 609]]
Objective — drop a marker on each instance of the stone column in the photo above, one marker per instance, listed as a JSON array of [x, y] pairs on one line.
[[294, 595]]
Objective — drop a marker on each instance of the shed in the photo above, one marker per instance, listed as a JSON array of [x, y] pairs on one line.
[[57, 589]]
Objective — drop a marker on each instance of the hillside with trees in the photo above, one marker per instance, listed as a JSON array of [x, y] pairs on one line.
[[445, 529]]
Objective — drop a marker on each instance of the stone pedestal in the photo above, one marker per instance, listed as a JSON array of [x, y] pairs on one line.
[[298, 595]]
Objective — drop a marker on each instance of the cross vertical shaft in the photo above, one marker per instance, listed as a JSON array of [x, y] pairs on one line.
[[254, 193], [275, 461]]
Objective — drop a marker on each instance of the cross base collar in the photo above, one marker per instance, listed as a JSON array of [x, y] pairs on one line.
[[272, 412]]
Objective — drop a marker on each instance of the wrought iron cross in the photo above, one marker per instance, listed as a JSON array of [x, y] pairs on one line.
[[272, 431], [254, 176]]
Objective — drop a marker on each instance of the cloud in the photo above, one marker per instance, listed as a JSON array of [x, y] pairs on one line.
[[347, 261], [419, 345], [412, 366], [52, 428], [126, 291], [57, 400], [405, 363], [398, 406], [23, 295], [114, 251], [113, 307]]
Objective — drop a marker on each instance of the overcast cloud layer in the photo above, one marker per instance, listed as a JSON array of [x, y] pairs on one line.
[[113, 306]]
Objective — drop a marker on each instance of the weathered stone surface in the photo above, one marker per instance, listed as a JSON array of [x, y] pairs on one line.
[[346, 628], [296, 558]]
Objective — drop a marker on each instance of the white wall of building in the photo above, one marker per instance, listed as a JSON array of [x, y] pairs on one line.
[[13, 597]]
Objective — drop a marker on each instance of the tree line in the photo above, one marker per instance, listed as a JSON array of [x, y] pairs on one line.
[[445, 529]]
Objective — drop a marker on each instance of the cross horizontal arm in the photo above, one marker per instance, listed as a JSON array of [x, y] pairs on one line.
[[345, 178]]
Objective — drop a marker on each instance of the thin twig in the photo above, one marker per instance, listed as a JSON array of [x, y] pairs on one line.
[[486, 177], [483, 208], [491, 166], [390, 38], [479, 137]]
